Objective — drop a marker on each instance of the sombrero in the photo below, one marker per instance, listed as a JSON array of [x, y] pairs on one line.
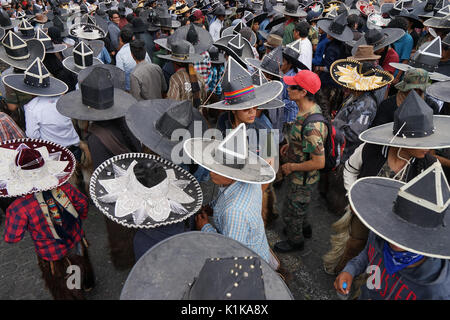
[[438, 22], [97, 99], [87, 31], [182, 51], [33, 165], [19, 53], [50, 47], [117, 75], [157, 276], [291, 8], [25, 30], [230, 158], [377, 21], [234, 30], [349, 74], [197, 36], [81, 58], [95, 45], [139, 190], [379, 38], [270, 63]]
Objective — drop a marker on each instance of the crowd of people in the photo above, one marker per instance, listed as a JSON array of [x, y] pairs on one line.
[[176, 116]]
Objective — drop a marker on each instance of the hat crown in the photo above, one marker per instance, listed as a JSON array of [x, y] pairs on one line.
[[273, 60], [37, 75], [15, 47], [414, 118], [83, 55], [192, 35], [238, 27], [233, 150], [45, 39], [258, 78], [24, 25], [181, 48], [424, 200], [237, 44], [339, 23], [274, 40], [214, 53], [428, 55], [97, 89], [374, 36], [57, 22], [179, 116], [5, 21], [291, 6], [237, 83], [28, 158]]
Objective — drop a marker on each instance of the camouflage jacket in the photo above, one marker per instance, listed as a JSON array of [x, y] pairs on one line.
[[301, 148]]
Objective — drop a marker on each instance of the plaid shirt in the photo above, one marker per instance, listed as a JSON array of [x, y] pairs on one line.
[[9, 129], [203, 67], [237, 214], [26, 214], [213, 80]]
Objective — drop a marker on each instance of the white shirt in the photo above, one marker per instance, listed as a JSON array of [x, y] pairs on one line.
[[125, 62], [214, 29], [306, 52], [43, 121]]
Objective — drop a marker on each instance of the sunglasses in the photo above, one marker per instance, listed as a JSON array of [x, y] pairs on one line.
[[296, 88]]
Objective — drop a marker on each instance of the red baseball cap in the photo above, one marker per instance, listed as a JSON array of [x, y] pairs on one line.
[[198, 14], [306, 79]]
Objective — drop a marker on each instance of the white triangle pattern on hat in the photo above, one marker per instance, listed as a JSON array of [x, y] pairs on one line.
[[445, 10], [333, 13], [237, 42], [13, 41], [82, 49], [235, 143], [25, 25], [433, 49], [37, 70], [430, 189], [296, 45], [41, 35]]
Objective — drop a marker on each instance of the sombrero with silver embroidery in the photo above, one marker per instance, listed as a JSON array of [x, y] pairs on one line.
[[414, 127], [82, 57], [32, 165], [413, 216], [348, 73], [139, 190], [230, 157], [36, 81], [239, 91], [19, 53], [377, 21], [87, 31], [50, 47]]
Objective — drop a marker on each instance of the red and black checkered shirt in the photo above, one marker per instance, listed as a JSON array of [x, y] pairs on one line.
[[26, 214]]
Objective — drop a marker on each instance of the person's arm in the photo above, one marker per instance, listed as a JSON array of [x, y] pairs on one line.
[[16, 223], [173, 92], [78, 199], [120, 62], [32, 125], [352, 167], [135, 87], [163, 80]]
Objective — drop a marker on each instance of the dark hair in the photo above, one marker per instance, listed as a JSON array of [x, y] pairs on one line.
[[126, 34], [310, 96], [137, 48], [55, 34], [399, 22], [352, 20], [113, 12], [130, 17], [302, 28]]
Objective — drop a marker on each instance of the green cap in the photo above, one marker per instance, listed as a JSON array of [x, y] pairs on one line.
[[414, 79]]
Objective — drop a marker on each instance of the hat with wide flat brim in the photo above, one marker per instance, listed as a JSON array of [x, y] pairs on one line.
[[55, 86], [139, 190], [117, 75], [95, 45], [379, 38], [236, 46], [440, 90], [233, 30], [87, 31], [291, 8], [337, 28], [69, 64], [53, 165], [182, 51], [435, 76], [197, 36], [376, 201], [154, 121], [157, 276], [35, 48], [438, 22]]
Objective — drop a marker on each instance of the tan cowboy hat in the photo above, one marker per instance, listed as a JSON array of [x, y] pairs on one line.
[[273, 41], [365, 53]]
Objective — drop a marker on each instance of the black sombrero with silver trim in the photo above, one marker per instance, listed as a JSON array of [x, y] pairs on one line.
[[25, 30], [157, 276], [95, 45], [239, 91], [414, 127], [413, 216], [97, 99], [230, 157], [139, 190], [155, 129], [36, 81], [234, 30], [236, 46], [19, 53], [291, 8], [379, 38], [50, 47], [270, 63], [82, 57]]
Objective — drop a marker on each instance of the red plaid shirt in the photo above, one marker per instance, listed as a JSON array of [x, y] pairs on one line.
[[9, 129], [26, 214]]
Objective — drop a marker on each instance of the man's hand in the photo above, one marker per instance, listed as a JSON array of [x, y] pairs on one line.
[[200, 220], [339, 282], [284, 149], [287, 168]]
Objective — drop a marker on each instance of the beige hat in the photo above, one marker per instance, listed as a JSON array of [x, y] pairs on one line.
[[273, 41], [365, 53]]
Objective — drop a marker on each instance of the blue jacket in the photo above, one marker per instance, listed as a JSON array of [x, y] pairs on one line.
[[318, 55]]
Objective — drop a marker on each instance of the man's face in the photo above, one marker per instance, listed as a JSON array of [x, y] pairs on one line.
[[245, 116], [116, 18]]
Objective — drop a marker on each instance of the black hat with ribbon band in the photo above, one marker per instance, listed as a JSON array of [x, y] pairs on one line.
[[379, 38], [414, 127], [291, 8], [25, 30], [50, 47], [236, 46], [413, 216], [156, 129], [18, 53], [239, 91], [337, 28], [182, 51], [36, 81], [82, 57], [97, 99]]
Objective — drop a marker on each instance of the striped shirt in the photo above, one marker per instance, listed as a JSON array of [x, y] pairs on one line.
[[9, 129], [180, 86], [237, 214]]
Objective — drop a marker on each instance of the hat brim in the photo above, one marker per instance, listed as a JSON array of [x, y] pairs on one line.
[[258, 18], [299, 14], [372, 199], [263, 94], [256, 171], [87, 35], [71, 105], [204, 38], [437, 23], [36, 49], [272, 104], [56, 48], [345, 36], [383, 135], [117, 75], [123, 161], [435, 76], [174, 24], [142, 124], [60, 154], [229, 32], [69, 64], [192, 58], [391, 35], [440, 90], [275, 22], [247, 51], [55, 88], [156, 276], [162, 42], [257, 64], [95, 45], [294, 61]]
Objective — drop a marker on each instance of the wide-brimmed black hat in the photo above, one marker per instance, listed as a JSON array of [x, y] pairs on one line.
[[117, 75], [234, 30], [337, 28], [291, 52], [251, 18], [239, 91], [50, 47], [277, 19], [57, 22], [314, 10], [438, 22], [197, 36], [95, 45], [139, 25], [182, 51], [18, 53], [97, 99], [82, 57], [411, 17], [25, 30], [87, 31], [154, 129], [413, 216], [291, 8], [139, 190], [157, 276], [221, 11], [414, 127], [379, 38], [236, 46], [425, 9], [163, 19], [440, 90], [216, 56], [270, 63], [36, 81], [5, 21]]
